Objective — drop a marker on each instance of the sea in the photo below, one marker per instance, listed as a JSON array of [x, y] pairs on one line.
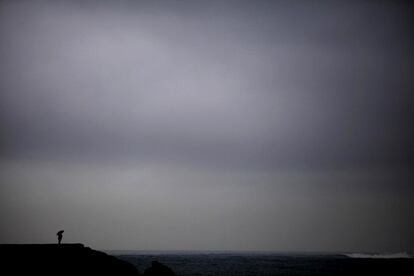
[[263, 264]]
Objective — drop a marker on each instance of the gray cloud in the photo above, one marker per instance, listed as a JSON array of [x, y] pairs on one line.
[[216, 87], [149, 206], [275, 82]]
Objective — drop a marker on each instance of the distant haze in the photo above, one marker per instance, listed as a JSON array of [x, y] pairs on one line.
[[208, 125]]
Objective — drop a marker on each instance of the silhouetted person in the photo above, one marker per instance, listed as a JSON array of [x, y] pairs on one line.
[[60, 236]]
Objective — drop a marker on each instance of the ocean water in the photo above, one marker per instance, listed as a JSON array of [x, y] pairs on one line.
[[261, 264]]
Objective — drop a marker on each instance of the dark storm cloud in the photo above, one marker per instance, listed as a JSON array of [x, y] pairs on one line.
[[248, 83]]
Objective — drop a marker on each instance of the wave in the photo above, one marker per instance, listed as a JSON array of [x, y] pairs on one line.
[[400, 255]]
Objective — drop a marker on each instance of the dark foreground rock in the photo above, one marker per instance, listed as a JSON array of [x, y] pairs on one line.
[[63, 259], [158, 269]]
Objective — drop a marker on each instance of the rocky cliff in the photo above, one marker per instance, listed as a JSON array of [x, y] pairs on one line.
[[63, 259]]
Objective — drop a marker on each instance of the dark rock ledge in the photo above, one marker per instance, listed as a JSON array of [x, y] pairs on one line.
[[64, 259]]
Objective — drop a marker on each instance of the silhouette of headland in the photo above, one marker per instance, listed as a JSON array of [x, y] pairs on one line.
[[67, 259], [60, 259]]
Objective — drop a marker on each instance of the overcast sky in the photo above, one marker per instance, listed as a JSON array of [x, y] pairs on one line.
[[220, 125]]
